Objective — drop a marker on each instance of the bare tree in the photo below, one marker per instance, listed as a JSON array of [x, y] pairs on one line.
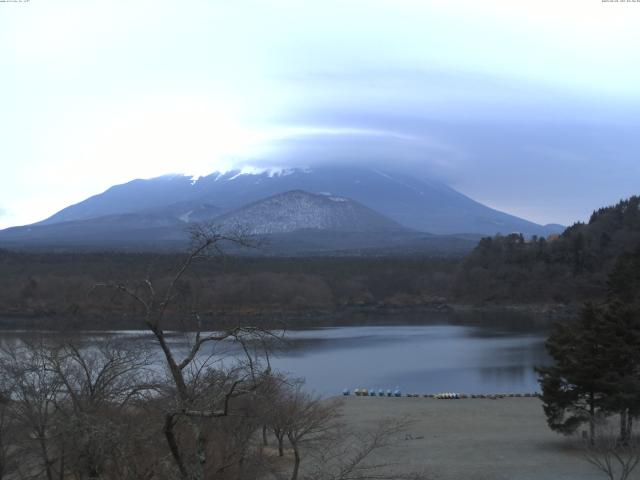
[[34, 390], [315, 432], [270, 394], [350, 455], [111, 373], [277, 417], [71, 410], [7, 432], [616, 459], [99, 384], [308, 420], [199, 394]]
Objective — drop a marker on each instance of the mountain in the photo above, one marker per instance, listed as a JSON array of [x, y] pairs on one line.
[[187, 212], [422, 205], [337, 210], [148, 228], [299, 210], [290, 223], [128, 231]]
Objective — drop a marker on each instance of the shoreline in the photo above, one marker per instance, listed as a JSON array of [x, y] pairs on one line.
[[539, 314]]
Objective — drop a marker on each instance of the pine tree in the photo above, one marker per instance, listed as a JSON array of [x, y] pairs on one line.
[[596, 367], [571, 389], [624, 279], [622, 317], [621, 382]]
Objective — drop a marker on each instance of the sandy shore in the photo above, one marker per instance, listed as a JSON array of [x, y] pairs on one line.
[[473, 439]]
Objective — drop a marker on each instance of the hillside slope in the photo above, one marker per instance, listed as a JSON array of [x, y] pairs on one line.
[[573, 266], [294, 223], [298, 210]]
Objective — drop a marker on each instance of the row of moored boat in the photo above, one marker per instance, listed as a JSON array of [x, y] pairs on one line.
[[364, 392]]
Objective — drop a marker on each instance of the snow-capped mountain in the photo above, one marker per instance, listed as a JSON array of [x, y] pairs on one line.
[[289, 223], [422, 205]]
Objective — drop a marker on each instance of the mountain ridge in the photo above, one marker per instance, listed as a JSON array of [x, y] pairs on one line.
[[292, 223], [423, 205]]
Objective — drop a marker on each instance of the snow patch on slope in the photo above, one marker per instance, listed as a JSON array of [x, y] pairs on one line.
[[270, 172], [298, 210], [404, 184], [185, 216]]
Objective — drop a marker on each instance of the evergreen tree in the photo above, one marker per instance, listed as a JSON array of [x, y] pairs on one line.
[[622, 317], [596, 367], [571, 389], [624, 280], [566, 268], [621, 379]]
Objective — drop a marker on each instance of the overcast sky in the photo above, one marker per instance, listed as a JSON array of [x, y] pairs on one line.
[[532, 107]]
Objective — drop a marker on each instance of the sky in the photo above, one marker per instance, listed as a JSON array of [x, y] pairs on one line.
[[531, 107]]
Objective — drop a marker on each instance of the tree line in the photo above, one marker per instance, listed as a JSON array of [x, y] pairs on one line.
[[59, 286], [571, 267]]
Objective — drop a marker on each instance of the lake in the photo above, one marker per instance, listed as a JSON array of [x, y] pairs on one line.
[[426, 353], [417, 359]]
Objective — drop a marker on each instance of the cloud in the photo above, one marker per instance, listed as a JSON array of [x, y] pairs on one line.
[[308, 147], [530, 106], [537, 153]]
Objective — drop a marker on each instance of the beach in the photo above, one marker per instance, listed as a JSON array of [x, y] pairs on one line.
[[479, 439]]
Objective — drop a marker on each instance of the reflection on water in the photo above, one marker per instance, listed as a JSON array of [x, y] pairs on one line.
[[440, 353]]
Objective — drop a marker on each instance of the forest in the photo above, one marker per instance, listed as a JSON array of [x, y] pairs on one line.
[[571, 267], [61, 286]]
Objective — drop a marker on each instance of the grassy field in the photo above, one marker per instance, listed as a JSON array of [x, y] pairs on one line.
[[473, 439]]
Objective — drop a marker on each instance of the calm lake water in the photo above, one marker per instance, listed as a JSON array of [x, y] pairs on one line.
[[428, 353], [417, 359]]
